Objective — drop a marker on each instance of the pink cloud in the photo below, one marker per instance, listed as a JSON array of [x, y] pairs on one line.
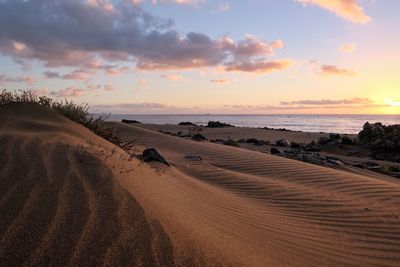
[[20, 79], [174, 77], [260, 66], [347, 9], [116, 71], [195, 3], [328, 70], [69, 92], [220, 81]]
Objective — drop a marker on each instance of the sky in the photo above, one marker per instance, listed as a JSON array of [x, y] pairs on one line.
[[206, 56]]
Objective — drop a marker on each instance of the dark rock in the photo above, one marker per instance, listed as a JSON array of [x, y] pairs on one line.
[[379, 155], [283, 143], [151, 154], [261, 142], [194, 158], [292, 151], [294, 145], [242, 140], [311, 148], [217, 124], [352, 153], [346, 140], [199, 137], [165, 132], [359, 165], [314, 159], [325, 140], [251, 140], [370, 164], [275, 151], [394, 169], [383, 141], [334, 136], [187, 123], [130, 121], [336, 162]]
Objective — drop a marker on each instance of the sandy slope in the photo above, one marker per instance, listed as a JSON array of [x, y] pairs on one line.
[[68, 197], [59, 202], [266, 209]]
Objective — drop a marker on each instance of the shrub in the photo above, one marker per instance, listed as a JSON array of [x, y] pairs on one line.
[[70, 110], [231, 142]]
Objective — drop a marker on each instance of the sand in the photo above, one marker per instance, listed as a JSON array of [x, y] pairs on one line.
[[67, 197]]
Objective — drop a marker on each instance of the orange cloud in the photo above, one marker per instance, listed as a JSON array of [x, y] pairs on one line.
[[328, 70], [174, 77], [347, 9], [260, 66], [219, 81], [348, 48]]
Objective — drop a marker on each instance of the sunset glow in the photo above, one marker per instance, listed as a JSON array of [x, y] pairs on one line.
[[125, 56]]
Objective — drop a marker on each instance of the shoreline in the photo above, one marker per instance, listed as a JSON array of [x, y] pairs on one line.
[[348, 124]]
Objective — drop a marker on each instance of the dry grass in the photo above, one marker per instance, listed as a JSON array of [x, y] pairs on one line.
[[69, 109]]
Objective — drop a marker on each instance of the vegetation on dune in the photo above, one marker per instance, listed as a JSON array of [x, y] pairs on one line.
[[70, 110], [231, 142]]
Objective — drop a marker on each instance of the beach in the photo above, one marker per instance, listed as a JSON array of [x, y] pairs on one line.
[[69, 197]]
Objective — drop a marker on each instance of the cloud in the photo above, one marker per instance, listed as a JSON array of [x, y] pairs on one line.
[[174, 77], [20, 79], [109, 87], [347, 9], [329, 70], [143, 82], [91, 34], [78, 74], [318, 104], [260, 66], [127, 108], [95, 88], [136, 2], [350, 101], [51, 74], [348, 48], [116, 71], [222, 7], [69, 92], [194, 3], [220, 81]]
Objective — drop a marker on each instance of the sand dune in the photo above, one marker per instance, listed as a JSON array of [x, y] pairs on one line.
[[67, 197], [288, 211], [59, 203]]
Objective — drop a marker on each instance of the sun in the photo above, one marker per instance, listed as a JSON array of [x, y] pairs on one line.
[[393, 103]]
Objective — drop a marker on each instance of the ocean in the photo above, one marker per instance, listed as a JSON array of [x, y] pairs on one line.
[[350, 124]]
